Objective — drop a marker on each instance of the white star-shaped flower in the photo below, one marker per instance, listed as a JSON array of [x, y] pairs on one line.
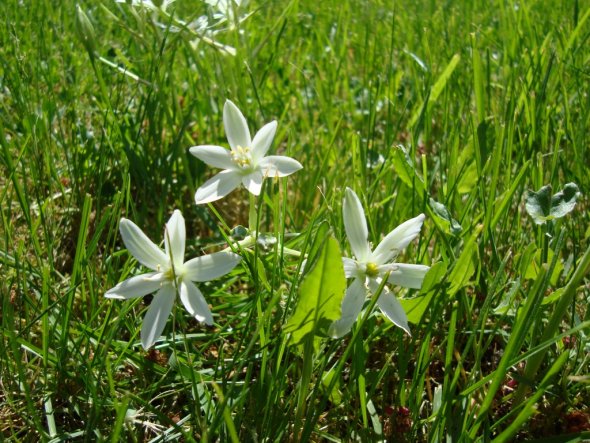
[[245, 162], [369, 268], [171, 275]]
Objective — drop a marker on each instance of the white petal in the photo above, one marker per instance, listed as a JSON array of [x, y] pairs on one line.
[[351, 268], [408, 276], [134, 287], [263, 140], [355, 225], [157, 315], [212, 266], [195, 303], [236, 127], [141, 247], [352, 304], [174, 238], [253, 182], [278, 166], [397, 240], [215, 156], [390, 306], [217, 187]]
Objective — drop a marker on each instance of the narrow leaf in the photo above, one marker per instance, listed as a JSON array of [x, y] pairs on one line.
[[438, 87], [404, 167], [442, 212], [465, 266]]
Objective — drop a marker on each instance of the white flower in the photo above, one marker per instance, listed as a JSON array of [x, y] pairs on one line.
[[245, 163], [148, 4], [368, 268], [225, 8], [171, 275]]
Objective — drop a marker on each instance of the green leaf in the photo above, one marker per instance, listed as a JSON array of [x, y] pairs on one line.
[[468, 179], [525, 257], [478, 80], [321, 235], [485, 140], [320, 295], [564, 201], [554, 297], [542, 206], [465, 265], [465, 168], [538, 204], [536, 262], [433, 277], [437, 88], [404, 167], [442, 212], [327, 380], [416, 307]]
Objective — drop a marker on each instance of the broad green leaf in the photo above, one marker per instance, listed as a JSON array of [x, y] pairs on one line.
[[441, 211], [315, 249], [465, 265], [467, 181], [543, 206], [525, 257], [334, 394], [433, 277], [416, 307], [320, 295]]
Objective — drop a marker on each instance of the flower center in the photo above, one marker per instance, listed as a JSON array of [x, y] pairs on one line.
[[371, 269], [175, 272], [242, 157]]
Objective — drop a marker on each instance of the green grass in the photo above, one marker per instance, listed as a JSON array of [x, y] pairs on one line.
[[488, 100]]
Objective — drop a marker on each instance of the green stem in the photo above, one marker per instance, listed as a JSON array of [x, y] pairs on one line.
[[547, 234], [561, 309], [252, 215], [303, 386]]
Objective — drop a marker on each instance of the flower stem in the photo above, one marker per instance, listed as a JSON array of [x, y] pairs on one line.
[[292, 252], [252, 215], [303, 387]]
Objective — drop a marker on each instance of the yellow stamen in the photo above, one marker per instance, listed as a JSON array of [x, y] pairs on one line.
[[242, 157], [169, 274], [372, 270]]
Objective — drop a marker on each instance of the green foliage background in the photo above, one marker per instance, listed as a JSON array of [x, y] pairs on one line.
[[414, 104]]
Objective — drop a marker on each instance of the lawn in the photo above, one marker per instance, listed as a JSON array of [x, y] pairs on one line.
[[468, 323]]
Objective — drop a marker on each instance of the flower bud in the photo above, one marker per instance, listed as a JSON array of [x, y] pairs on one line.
[[85, 30]]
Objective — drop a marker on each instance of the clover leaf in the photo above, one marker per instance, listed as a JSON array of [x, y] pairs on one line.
[[543, 206]]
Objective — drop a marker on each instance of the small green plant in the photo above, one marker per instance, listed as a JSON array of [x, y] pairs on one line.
[[544, 206]]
